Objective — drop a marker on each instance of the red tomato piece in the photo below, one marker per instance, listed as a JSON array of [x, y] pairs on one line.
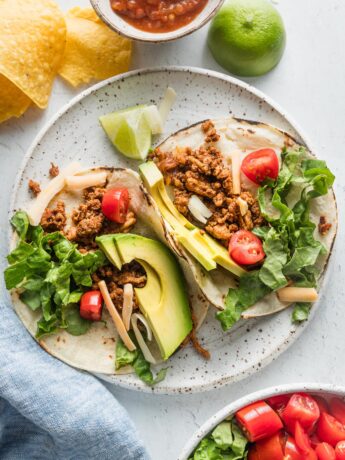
[[279, 402], [314, 440], [261, 165], [340, 450], [115, 203], [245, 248], [301, 407], [322, 403], [259, 421], [291, 450], [253, 453], [337, 407], [302, 439], [325, 451], [270, 448], [91, 305], [330, 430]]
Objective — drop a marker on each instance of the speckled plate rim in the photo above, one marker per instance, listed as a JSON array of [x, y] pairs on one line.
[[218, 417], [197, 388]]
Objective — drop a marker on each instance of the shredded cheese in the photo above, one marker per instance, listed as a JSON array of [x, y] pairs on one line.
[[167, 103], [55, 186], [120, 327], [297, 294], [75, 183], [154, 119], [199, 210], [236, 172], [243, 205], [127, 307], [138, 335]]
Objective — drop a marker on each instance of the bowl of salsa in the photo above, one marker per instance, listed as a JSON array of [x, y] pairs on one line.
[[156, 20]]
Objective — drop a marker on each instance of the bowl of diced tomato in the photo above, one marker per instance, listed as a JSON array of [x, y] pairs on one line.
[[156, 21], [290, 422]]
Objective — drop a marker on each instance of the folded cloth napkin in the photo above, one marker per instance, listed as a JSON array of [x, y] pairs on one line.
[[49, 410]]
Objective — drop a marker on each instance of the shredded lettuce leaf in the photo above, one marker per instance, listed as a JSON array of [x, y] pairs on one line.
[[225, 442], [136, 359], [291, 250], [51, 274]]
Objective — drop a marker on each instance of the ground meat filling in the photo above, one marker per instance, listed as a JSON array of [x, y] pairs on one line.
[[324, 226], [34, 187], [132, 273], [54, 170], [89, 221], [202, 172], [54, 220]]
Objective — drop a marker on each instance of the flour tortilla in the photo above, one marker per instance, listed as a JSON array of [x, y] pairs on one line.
[[247, 136], [95, 350]]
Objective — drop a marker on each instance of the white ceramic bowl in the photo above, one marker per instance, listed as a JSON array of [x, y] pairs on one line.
[[115, 22], [316, 388]]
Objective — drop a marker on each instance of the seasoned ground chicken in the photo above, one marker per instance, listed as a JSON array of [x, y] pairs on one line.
[[324, 226], [34, 187], [89, 221], [115, 279], [54, 219], [202, 172], [54, 170]]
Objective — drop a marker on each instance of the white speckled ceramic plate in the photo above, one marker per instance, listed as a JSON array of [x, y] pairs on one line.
[[75, 134]]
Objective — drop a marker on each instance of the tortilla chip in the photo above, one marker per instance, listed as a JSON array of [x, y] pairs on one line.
[[93, 51], [32, 42], [13, 102]]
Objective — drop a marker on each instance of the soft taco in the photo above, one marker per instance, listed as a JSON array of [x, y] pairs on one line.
[[250, 209], [92, 236]]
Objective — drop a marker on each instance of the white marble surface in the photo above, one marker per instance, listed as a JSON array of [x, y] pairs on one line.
[[310, 84]]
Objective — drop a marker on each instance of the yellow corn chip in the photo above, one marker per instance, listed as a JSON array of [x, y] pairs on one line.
[[13, 102], [32, 41], [93, 51]]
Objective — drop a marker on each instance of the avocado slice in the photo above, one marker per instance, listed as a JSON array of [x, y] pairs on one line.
[[163, 300], [202, 246]]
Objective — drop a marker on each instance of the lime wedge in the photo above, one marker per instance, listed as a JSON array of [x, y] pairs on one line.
[[129, 131]]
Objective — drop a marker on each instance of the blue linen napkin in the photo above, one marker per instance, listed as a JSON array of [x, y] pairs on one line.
[[49, 410]]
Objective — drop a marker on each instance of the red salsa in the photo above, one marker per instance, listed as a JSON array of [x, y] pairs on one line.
[[158, 15]]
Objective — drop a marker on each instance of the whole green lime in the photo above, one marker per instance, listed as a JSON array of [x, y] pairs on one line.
[[247, 37]]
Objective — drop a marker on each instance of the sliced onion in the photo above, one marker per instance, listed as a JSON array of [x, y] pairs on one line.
[[119, 326], [154, 119], [55, 186], [127, 307], [243, 205], [75, 183], [198, 209], [167, 103], [138, 335], [236, 172]]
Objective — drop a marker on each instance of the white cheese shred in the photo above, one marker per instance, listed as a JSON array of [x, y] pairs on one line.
[[138, 335], [166, 104], [236, 172], [75, 183], [127, 307], [120, 327], [199, 210], [297, 294]]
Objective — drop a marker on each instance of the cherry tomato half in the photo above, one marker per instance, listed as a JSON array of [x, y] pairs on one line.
[[302, 439], [259, 421], [245, 248], [303, 408], [279, 402], [270, 448], [115, 204], [322, 403], [91, 305], [261, 165], [291, 450], [330, 430], [337, 407], [340, 450], [325, 451]]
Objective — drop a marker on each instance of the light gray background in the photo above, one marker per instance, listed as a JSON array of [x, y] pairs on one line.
[[310, 84]]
